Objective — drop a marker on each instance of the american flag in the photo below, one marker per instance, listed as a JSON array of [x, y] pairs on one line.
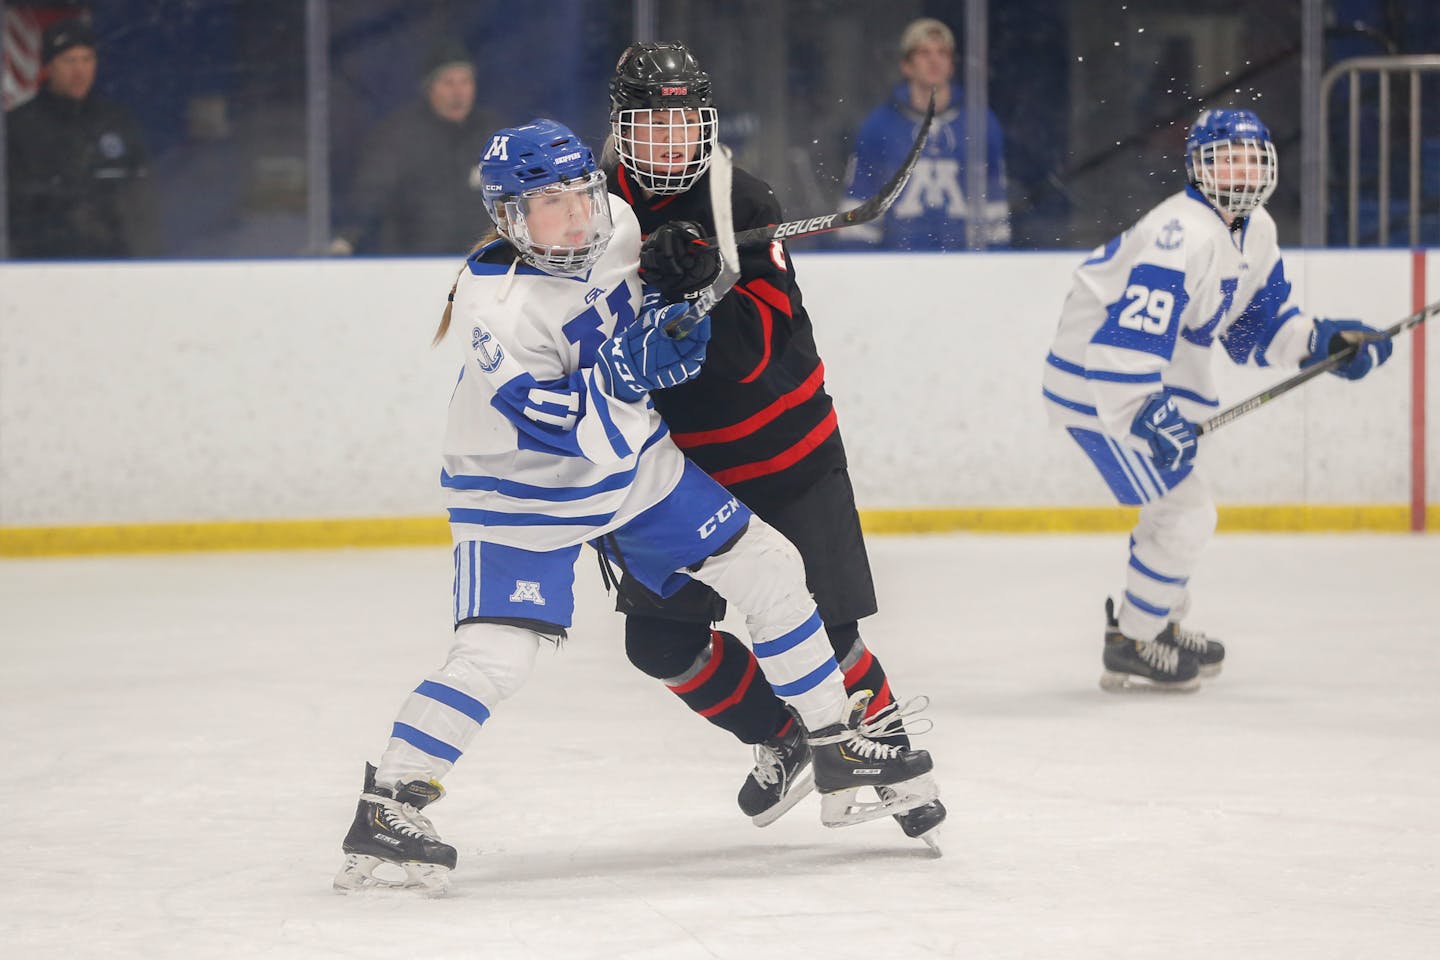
[[23, 28]]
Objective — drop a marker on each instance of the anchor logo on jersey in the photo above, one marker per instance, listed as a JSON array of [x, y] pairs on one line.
[[488, 361], [1171, 235]]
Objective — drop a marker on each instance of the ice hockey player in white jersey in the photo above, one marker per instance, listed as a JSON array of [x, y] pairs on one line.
[[1130, 369], [553, 442]]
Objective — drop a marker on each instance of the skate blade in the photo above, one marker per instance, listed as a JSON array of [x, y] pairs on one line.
[[358, 875], [801, 789], [844, 808], [1210, 670], [1113, 682], [932, 840]]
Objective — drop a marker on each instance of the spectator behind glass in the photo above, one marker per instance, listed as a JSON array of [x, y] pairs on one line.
[[417, 189], [77, 166], [932, 211]]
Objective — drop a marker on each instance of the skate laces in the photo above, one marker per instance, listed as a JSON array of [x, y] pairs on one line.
[[402, 817], [862, 745], [890, 720], [857, 740], [768, 765], [1162, 656], [887, 721], [1194, 640], [771, 755]]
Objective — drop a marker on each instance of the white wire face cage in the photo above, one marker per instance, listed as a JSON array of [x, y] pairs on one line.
[[577, 206], [1236, 175], [665, 150]]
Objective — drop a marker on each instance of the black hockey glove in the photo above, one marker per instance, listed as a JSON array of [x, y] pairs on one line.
[[677, 261]]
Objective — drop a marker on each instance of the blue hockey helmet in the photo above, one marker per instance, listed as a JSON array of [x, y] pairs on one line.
[[1231, 160], [547, 196]]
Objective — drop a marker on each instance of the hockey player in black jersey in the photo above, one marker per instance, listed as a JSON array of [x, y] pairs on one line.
[[759, 421]]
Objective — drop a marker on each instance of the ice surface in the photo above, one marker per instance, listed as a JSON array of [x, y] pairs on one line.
[[185, 737]]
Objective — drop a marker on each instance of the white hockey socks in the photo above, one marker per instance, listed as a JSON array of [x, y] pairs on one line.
[[488, 663], [1164, 550], [764, 577]]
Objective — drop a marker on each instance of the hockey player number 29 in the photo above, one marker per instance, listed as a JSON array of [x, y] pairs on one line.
[[1148, 310]]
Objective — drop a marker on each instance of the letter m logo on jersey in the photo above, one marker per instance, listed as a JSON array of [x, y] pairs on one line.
[[934, 184], [499, 149], [527, 591]]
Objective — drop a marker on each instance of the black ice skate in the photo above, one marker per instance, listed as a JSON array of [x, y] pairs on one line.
[[391, 834], [1158, 664], [781, 777], [1210, 653], [847, 760]]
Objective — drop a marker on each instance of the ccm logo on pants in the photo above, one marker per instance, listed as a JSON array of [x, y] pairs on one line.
[[724, 513]]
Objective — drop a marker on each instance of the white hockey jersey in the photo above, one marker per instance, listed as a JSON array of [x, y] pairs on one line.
[[1145, 308], [537, 454]]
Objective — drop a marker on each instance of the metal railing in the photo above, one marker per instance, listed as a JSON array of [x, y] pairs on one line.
[[1355, 70]]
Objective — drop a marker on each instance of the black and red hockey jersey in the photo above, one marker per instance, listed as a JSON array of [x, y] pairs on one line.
[[757, 419]]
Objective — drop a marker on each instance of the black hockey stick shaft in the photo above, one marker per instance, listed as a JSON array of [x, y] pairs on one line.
[[869, 210], [791, 229], [1310, 373]]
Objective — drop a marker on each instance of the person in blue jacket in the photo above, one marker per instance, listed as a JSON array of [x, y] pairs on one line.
[[932, 212]]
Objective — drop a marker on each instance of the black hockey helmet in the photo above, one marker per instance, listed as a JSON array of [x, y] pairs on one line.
[[658, 76]]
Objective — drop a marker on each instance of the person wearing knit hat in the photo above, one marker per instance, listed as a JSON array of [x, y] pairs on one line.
[[64, 35], [67, 53], [449, 84], [76, 163], [416, 186]]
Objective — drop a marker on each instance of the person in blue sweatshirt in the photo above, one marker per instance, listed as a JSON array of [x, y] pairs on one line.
[[933, 211]]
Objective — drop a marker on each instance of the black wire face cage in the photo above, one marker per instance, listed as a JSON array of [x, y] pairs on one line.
[[666, 149], [588, 195], [1235, 175]]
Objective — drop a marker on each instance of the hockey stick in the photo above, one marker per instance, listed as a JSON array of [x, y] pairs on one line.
[[729, 240], [864, 213], [721, 175], [1309, 373]]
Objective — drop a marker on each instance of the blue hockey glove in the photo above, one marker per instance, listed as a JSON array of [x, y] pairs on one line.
[[643, 358], [1171, 437], [1331, 336]]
